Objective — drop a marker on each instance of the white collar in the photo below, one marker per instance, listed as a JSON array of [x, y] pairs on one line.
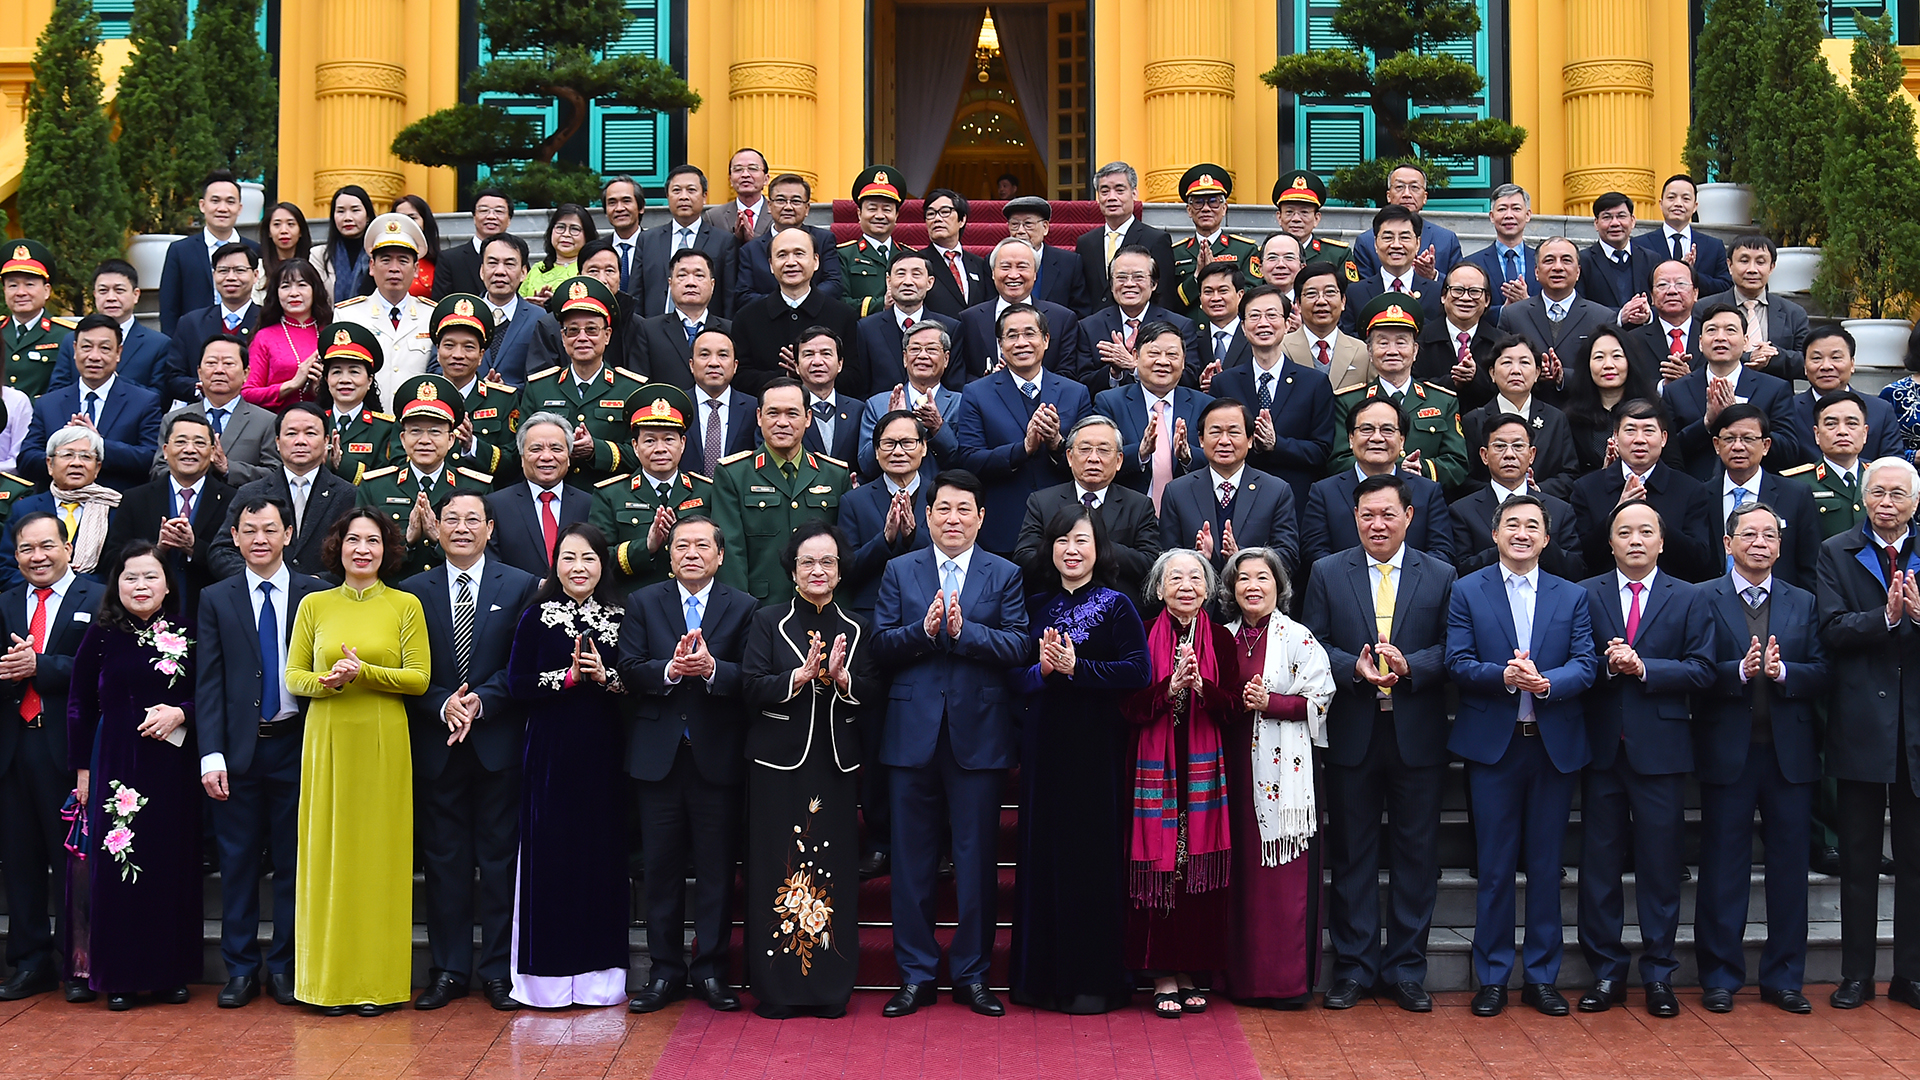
[[1531, 577], [1232, 478], [195, 487], [1621, 581], [1844, 473], [795, 304], [1525, 408], [1313, 339], [1741, 584], [1215, 238], [59, 588], [1001, 303], [29, 322], [1626, 470], [1752, 486], [126, 328], [471, 383], [214, 243], [1564, 301], [672, 480], [965, 559], [503, 312], [705, 594], [1232, 328], [246, 303], [687, 321], [1401, 389], [1669, 232], [282, 579], [1668, 328], [1454, 332], [758, 206], [1121, 231], [232, 406], [475, 571], [104, 389], [1038, 385], [435, 475], [1502, 494], [310, 477], [722, 398], [692, 231], [1388, 277], [1151, 400], [912, 485], [1081, 491], [1398, 559], [558, 490], [900, 317]]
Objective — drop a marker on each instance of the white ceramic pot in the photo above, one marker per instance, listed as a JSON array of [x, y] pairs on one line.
[[1729, 205], [1879, 350], [148, 254], [1794, 270], [253, 203]]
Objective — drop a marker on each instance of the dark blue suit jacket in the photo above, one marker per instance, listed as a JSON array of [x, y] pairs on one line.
[[992, 429], [1690, 449], [881, 341], [1362, 292], [957, 683], [180, 381], [846, 431], [1709, 259], [186, 278], [143, 359], [1723, 720], [1610, 287], [1480, 642], [1883, 429], [499, 736], [1303, 428], [1126, 406], [660, 713], [863, 518], [1493, 260], [129, 423], [1062, 280], [1326, 524], [945, 449], [753, 271], [976, 349], [227, 675], [1105, 322], [1444, 241], [1800, 532], [517, 538], [1649, 717], [53, 671], [742, 432], [1263, 514], [520, 351]]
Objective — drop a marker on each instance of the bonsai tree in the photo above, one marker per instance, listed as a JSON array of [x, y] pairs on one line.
[[1797, 99], [1726, 81], [243, 102], [1870, 260], [166, 140], [542, 49], [71, 196], [1403, 35]]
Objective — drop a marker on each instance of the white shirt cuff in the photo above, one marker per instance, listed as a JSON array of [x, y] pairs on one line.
[[212, 763]]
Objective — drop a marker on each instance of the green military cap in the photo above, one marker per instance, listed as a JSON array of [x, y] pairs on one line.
[[581, 293], [394, 230], [1390, 311], [463, 311], [1300, 186], [429, 395], [1205, 178], [659, 405], [877, 182], [350, 341], [28, 257]]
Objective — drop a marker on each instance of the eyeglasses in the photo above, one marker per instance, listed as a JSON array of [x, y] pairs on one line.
[[1404, 187], [942, 212], [825, 562], [1899, 494], [1131, 279], [568, 227], [1020, 333], [1728, 438], [890, 445], [1368, 431], [74, 455], [579, 331], [788, 200], [1748, 536], [1465, 292], [1206, 200], [1509, 447]]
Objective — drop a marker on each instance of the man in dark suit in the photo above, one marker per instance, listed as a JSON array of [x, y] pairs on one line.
[[1667, 347], [1556, 317], [1639, 435], [182, 512], [686, 199], [747, 212], [1697, 400], [44, 619], [1218, 337], [1116, 189], [186, 278], [960, 278], [951, 621], [243, 432], [1741, 435], [1058, 277], [1127, 516], [680, 649], [1654, 636], [525, 339], [1012, 425], [1513, 373], [834, 426], [1158, 419], [1615, 273], [1376, 434], [467, 735], [1508, 262], [126, 415], [248, 728], [1756, 746], [666, 339], [1380, 610], [723, 423], [143, 352], [1439, 250], [1397, 237], [790, 196], [1676, 238], [1507, 454], [765, 331], [316, 495], [929, 349], [1292, 402], [880, 336], [526, 518], [1012, 268], [1777, 326], [459, 267], [1110, 335], [1456, 350], [1229, 505], [1827, 365], [1520, 648], [234, 268]]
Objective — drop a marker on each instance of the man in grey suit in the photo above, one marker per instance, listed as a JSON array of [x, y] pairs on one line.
[[1776, 326], [928, 349], [686, 199], [316, 494], [1558, 268], [244, 449], [747, 214]]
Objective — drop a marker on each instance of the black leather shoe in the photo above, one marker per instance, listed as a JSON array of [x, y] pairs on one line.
[[1716, 999], [1545, 998], [876, 864], [655, 996], [908, 999], [1343, 994], [446, 986], [27, 982], [977, 997], [1904, 991], [119, 1002], [1489, 1000], [1661, 1002], [335, 1010], [280, 985], [500, 994], [1411, 996], [370, 1009], [79, 993], [1826, 861], [176, 996], [1792, 1001], [1851, 993], [1605, 995], [946, 869], [239, 990], [718, 995]]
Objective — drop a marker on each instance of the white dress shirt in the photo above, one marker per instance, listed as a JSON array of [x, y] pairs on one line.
[[961, 561], [503, 313], [704, 597], [1621, 582], [1727, 484], [704, 407], [282, 582], [1740, 587]]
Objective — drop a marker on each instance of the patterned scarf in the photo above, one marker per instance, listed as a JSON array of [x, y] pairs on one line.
[[1163, 847], [1283, 801]]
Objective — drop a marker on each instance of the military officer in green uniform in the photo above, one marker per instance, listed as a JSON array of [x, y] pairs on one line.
[[31, 337], [360, 436], [586, 390], [636, 510], [411, 493], [1435, 447], [1840, 430], [1297, 199], [865, 258], [1204, 188], [460, 326], [759, 496]]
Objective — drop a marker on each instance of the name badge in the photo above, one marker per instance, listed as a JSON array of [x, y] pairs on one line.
[[612, 403], [82, 616], [359, 448], [756, 489], [1426, 414], [398, 499], [485, 414]]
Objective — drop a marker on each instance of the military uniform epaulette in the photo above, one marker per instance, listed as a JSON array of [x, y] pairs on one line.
[[474, 474], [634, 375], [375, 474], [1798, 469], [697, 476], [388, 417], [847, 243], [834, 460], [1248, 239], [612, 480], [67, 321], [491, 385], [740, 456], [17, 479], [543, 374], [349, 302], [1351, 389], [1442, 389]]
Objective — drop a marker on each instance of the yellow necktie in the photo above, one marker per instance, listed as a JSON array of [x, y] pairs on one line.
[[1113, 244], [70, 513], [1383, 614]]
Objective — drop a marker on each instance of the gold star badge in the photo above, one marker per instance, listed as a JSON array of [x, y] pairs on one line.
[[463, 307], [21, 252], [579, 291], [880, 177], [341, 337]]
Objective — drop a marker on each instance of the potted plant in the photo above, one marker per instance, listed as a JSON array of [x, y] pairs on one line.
[[1799, 99], [243, 102], [1871, 267], [166, 140], [1726, 76]]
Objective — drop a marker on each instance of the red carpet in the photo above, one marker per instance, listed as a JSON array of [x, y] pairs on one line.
[[948, 1040]]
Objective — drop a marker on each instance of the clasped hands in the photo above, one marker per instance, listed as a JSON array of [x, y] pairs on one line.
[[690, 658], [1763, 660], [1623, 659], [1903, 598], [461, 710], [1522, 675], [1368, 665], [945, 610], [344, 670], [1056, 653], [819, 663]]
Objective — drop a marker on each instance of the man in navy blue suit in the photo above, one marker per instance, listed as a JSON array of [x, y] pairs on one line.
[[126, 415], [1508, 261], [1676, 238], [1110, 334], [1376, 433], [234, 268], [1058, 276], [789, 195], [723, 421], [1439, 250], [143, 352], [1615, 273], [834, 428], [1520, 648], [1741, 437], [1012, 266], [1756, 747], [951, 621], [928, 350], [248, 729], [186, 278], [879, 336], [1292, 402], [1012, 424], [1654, 636], [1159, 419], [1230, 505], [1698, 399], [1828, 367], [1397, 233]]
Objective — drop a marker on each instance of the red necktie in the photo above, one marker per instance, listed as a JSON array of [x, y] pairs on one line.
[[1893, 567], [746, 220], [953, 264], [1633, 610], [1676, 342], [549, 525], [1326, 356], [1463, 337], [906, 324], [37, 629], [1396, 285]]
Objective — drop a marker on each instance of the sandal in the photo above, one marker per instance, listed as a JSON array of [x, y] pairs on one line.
[[1160, 1003], [1190, 995]]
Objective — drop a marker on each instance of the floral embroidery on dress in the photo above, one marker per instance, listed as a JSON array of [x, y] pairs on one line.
[[171, 644], [1078, 617], [602, 620], [122, 804], [803, 905], [554, 680], [1904, 395]]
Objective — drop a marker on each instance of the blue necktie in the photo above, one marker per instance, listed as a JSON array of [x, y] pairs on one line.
[[93, 407], [218, 419], [269, 654], [693, 331], [233, 322], [693, 613], [1513, 265]]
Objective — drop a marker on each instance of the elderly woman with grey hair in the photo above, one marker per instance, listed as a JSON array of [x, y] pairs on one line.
[[1281, 681]]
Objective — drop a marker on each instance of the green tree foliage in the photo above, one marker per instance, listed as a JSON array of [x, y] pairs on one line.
[[1794, 108], [1870, 257], [1726, 82], [71, 195], [243, 102], [543, 49], [1403, 35], [166, 139]]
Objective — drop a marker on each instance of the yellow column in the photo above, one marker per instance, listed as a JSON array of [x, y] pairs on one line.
[[773, 85], [1189, 92], [1607, 86], [360, 90]]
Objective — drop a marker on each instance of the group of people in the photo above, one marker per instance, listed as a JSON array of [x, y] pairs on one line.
[[796, 581]]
